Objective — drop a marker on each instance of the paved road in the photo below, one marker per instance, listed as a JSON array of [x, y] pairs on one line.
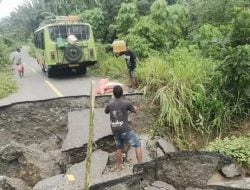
[[35, 85]]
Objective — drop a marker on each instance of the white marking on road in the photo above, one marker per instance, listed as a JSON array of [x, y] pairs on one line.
[[57, 92], [33, 70]]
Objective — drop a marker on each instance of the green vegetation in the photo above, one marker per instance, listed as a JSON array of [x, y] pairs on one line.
[[110, 66], [235, 147], [194, 56], [7, 84]]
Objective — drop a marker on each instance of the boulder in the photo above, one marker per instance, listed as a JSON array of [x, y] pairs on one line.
[[231, 171], [157, 146], [10, 153], [183, 169], [165, 146], [7, 183], [145, 152], [29, 163]]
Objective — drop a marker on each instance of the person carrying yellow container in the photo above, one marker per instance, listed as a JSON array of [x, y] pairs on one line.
[[120, 48]]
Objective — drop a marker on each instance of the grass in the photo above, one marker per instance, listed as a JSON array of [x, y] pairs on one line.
[[110, 66], [177, 81], [183, 86], [7, 83]]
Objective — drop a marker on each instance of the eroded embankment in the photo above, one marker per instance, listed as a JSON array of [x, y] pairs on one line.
[[32, 133]]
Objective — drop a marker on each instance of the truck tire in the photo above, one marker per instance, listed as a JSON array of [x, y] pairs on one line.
[[50, 73], [82, 70], [73, 53]]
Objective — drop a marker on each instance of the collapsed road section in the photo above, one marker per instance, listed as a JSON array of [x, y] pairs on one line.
[[43, 147]]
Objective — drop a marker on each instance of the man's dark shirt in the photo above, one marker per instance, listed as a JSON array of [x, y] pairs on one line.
[[130, 59], [118, 110]]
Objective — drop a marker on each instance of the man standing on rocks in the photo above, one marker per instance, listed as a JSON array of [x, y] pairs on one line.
[[118, 109]]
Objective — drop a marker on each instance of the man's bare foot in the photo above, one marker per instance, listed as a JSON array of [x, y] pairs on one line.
[[120, 168]]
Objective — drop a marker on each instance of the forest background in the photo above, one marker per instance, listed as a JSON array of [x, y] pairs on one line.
[[194, 61]]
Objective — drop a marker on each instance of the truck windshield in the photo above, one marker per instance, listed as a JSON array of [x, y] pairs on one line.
[[81, 32]]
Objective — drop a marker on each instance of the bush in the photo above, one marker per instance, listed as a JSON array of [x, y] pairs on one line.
[[3, 54], [235, 70], [109, 65], [7, 84], [235, 147], [241, 23], [210, 40]]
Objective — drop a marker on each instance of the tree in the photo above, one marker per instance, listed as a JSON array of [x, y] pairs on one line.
[[96, 19], [143, 6], [126, 18], [214, 12], [241, 24]]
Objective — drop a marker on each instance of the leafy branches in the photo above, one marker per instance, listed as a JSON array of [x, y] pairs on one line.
[[234, 147]]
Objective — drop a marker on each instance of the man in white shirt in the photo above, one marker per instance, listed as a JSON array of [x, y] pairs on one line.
[[17, 61]]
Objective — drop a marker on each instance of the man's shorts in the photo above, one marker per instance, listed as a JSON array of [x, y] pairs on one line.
[[19, 67], [132, 73], [124, 138]]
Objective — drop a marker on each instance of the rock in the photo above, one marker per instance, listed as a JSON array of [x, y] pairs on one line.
[[145, 153], [10, 152], [159, 152], [151, 188], [216, 177], [129, 182], [52, 143], [234, 184], [33, 164], [158, 146], [7, 183], [118, 187], [163, 185], [111, 160], [183, 169], [165, 146], [231, 171]]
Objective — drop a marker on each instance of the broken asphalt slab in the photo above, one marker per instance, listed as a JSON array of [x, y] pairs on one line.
[[74, 178], [78, 128]]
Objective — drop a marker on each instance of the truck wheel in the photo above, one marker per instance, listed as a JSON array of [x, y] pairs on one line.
[[82, 70], [50, 73], [73, 53]]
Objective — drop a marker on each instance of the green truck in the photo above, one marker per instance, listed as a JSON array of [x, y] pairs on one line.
[[64, 43]]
